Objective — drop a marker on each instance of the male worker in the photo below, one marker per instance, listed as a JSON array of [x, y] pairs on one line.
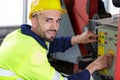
[[23, 53]]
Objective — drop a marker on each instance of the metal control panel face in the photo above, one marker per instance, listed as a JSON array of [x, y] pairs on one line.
[[107, 42]]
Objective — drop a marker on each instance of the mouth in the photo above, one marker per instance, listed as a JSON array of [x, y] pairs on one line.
[[52, 32]]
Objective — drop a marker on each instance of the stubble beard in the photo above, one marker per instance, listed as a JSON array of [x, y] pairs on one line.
[[49, 39]]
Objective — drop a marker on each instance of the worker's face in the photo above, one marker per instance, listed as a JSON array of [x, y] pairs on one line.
[[48, 24]]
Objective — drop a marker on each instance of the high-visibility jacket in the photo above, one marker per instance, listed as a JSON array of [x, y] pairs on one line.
[[24, 57]]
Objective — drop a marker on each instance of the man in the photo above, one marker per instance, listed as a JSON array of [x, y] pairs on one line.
[[23, 53]]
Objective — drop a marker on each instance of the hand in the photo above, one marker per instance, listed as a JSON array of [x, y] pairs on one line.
[[100, 63], [88, 37], [84, 38]]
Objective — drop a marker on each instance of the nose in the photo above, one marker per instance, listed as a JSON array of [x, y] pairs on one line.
[[55, 25]]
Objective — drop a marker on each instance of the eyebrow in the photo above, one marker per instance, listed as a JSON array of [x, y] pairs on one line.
[[53, 19]]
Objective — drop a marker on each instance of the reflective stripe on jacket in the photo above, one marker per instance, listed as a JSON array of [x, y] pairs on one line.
[[24, 56], [8, 75]]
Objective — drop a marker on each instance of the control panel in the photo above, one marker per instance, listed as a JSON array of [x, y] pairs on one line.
[[107, 42]]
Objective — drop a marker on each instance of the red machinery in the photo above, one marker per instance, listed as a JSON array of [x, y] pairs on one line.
[[77, 10], [117, 65]]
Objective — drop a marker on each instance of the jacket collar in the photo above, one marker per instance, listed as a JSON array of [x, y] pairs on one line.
[[26, 29]]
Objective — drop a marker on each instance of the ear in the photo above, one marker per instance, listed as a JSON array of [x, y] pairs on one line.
[[34, 22]]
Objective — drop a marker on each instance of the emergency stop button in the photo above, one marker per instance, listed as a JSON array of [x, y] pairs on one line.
[[111, 52]]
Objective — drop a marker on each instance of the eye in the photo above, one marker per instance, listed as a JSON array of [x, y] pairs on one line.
[[49, 20], [58, 21]]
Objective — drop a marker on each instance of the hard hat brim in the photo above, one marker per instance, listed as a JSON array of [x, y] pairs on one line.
[[63, 11]]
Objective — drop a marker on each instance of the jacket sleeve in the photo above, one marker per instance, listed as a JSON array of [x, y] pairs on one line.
[[60, 44], [83, 75]]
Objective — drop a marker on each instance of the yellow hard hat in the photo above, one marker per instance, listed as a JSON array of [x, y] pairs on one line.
[[41, 5]]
